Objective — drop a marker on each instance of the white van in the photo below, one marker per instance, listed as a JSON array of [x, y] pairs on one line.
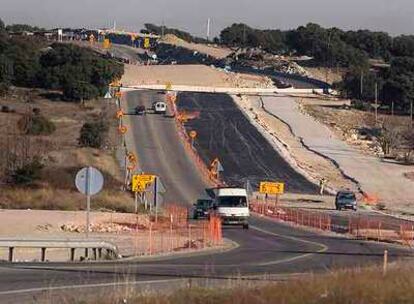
[[159, 107], [232, 205]]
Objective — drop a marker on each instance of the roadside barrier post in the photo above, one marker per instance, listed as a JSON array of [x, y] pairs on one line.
[[150, 239], [385, 265], [171, 233]]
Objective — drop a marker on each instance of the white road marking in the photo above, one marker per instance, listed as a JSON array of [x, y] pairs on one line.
[[112, 284]]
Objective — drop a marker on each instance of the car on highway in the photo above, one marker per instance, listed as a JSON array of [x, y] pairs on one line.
[[346, 200], [232, 205], [140, 110], [159, 107], [201, 208]]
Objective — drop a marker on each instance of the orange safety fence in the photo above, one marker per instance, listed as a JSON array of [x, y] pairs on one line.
[[174, 232], [360, 227]]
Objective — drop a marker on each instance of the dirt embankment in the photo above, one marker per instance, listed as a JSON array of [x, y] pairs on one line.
[[312, 164], [59, 152], [192, 75], [211, 49]]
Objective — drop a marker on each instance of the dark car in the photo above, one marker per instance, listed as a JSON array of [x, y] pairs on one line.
[[345, 200], [140, 110], [201, 208]]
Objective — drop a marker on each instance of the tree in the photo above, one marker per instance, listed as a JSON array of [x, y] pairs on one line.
[[390, 136], [23, 28], [399, 85], [79, 91], [36, 124], [403, 46], [375, 44], [93, 134], [28, 172]]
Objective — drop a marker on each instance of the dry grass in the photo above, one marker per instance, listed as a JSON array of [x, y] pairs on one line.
[[362, 286], [61, 154], [48, 198]]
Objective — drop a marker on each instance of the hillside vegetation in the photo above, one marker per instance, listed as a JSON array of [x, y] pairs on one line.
[[335, 48], [79, 73]]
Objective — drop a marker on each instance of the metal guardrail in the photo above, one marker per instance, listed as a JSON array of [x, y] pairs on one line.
[[96, 246]]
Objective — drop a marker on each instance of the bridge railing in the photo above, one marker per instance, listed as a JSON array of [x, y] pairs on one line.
[[96, 246]]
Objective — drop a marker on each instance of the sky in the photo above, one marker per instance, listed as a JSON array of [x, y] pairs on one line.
[[393, 16]]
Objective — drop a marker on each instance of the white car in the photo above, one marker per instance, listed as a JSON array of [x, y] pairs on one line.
[[159, 107]]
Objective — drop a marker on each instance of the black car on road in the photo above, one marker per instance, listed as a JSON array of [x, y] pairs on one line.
[[345, 200]]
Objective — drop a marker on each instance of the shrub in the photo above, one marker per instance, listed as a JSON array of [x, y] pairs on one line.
[[93, 134], [79, 91], [36, 124], [28, 173], [6, 109]]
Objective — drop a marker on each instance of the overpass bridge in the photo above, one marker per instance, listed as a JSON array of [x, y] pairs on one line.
[[223, 90]]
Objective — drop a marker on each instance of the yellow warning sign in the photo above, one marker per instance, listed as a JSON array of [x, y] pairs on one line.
[[141, 182], [168, 86], [271, 188], [106, 43], [147, 43]]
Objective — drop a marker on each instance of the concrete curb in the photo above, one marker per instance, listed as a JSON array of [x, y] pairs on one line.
[[228, 245]]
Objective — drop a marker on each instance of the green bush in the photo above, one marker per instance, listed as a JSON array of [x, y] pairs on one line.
[[28, 173], [36, 124], [79, 91], [93, 134]]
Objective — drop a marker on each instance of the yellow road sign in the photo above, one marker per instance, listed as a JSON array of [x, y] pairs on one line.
[[146, 43], [272, 188], [106, 43], [168, 86], [141, 182]]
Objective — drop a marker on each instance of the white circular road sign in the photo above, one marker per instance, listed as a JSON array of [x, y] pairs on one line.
[[89, 181]]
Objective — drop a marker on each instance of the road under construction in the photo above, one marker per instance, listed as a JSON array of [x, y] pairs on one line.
[[269, 249]]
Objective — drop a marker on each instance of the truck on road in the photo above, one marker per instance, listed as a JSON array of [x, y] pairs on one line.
[[231, 204]]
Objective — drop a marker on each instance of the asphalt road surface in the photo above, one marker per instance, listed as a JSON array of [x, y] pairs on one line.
[[224, 132], [268, 248], [160, 150]]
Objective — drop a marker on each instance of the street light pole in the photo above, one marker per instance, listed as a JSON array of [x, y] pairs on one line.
[[376, 102]]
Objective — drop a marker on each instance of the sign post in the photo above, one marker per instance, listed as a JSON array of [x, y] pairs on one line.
[[89, 181], [140, 183]]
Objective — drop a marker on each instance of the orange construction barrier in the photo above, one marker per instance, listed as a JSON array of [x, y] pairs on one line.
[[119, 114], [122, 129]]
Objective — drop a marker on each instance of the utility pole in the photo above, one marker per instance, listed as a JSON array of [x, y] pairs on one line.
[[411, 113], [362, 83], [244, 35], [208, 29], [162, 29], [376, 102]]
